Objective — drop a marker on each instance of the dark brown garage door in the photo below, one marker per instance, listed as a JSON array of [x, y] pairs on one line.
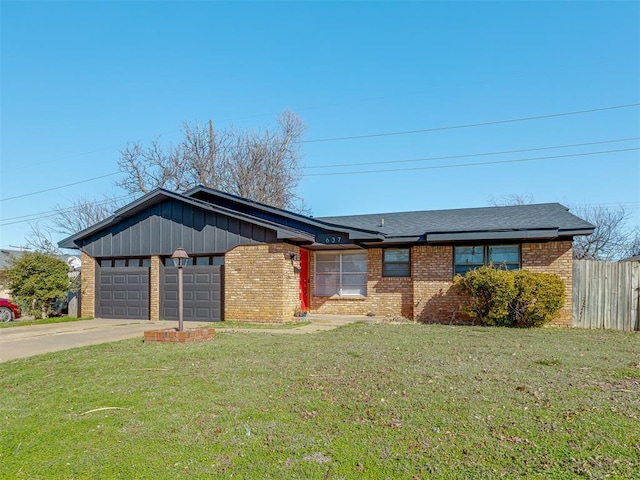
[[202, 293], [123, 292]]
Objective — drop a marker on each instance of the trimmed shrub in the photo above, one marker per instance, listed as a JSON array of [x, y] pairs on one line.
[[538, 298], [489, 291], [511, 298]]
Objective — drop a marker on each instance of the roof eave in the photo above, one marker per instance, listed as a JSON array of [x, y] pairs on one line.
[[541, 234], [576, 233]]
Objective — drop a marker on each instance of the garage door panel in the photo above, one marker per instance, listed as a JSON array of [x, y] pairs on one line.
[[203, 296], [202, 312], [124, 293], [202, 289], [105, 296], [203, 278], [171, 296], [134, 295]]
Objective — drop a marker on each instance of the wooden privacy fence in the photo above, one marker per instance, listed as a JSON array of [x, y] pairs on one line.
[[606, 294]]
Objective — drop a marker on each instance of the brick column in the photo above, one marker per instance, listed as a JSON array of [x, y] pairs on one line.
[[154, 288], [87, 286], [553, 257]]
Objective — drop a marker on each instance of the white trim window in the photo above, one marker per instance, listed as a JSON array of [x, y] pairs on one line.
[[341, 273]]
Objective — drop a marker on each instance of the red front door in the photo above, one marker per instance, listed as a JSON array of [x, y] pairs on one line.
[[304, 280]]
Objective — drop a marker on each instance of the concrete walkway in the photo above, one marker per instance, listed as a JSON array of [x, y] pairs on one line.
[[30, 340]]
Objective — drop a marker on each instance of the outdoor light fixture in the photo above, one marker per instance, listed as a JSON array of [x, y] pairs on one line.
[[180, 259], [294, 257]]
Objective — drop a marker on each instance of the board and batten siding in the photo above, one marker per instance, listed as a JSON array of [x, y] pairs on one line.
[[606, 295], [160, 229]]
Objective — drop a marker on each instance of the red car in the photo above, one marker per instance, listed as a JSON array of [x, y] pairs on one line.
[[9, 311]]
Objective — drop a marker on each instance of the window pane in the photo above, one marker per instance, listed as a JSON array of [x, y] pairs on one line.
[[469, 255], [354, 284], [462, 269], [327, 257], [354, 279], [354, 262], [396, 255], [106, 263], [146, 262], [396, 270], [327, 284], [354, 266], [218, 260], [504, 253], [354, 290], [202, 260], [327, 267], [120, 262]]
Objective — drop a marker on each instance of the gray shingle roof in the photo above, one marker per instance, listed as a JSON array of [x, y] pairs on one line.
[[509, 218]]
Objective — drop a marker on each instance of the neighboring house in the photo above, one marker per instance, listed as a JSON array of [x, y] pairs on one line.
[[6, 257], [252, 262]]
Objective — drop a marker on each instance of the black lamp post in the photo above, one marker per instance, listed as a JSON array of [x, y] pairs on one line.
[[180, 259]]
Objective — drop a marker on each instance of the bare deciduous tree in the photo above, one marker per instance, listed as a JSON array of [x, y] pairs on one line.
[[633, 244], [81, 214], [609, 240], [510, 199], [262, 166], [40, 240]]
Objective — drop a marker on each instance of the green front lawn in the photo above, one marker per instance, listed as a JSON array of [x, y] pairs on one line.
[[362, 401]]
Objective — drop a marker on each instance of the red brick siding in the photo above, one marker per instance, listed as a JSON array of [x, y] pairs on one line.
[[553, 257], [261, 283], [435, 300]]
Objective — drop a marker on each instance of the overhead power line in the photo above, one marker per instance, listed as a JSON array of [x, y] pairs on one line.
[[449, 157], [460, 165], [471, 125], [52, 213], [59, 187]]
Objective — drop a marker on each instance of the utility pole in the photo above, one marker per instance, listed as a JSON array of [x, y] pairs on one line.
[[212, 155]]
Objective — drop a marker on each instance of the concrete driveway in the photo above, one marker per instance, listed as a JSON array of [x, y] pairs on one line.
[[21, 342], [30, 340]]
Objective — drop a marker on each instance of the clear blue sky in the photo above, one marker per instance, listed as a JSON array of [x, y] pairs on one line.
[[81, 79]]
